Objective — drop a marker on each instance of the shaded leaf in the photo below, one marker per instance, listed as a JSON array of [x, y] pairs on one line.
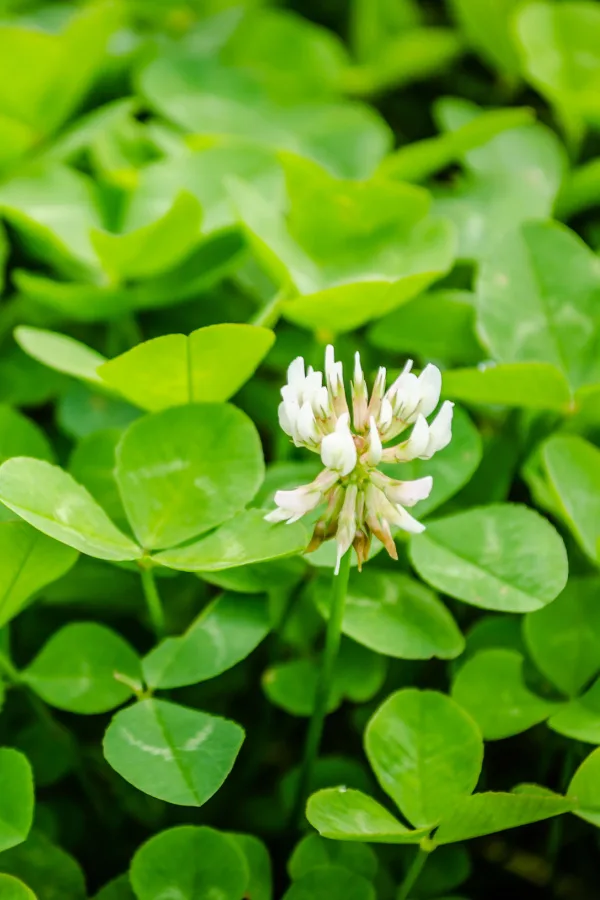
[[224, 633], [189, 862], [30, 561], [498, 673], [85, 668]]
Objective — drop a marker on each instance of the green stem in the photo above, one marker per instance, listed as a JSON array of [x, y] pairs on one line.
[[7, 669], [323, 692], [153, 602], [269, 315], [413, 873]]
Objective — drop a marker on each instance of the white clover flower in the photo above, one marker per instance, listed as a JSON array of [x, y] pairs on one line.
[[360, 500]]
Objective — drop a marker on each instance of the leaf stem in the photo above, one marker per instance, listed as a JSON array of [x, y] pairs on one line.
[[269, 314], [339, 588], [153, 601], [7, 669], [416, 867]]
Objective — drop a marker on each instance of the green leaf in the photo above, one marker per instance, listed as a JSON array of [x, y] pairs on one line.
[[224, 633], [30, 561], [424, 258], [202, 174], [572, 466], [530, 385], [584, 789], [498, 673], [560, 56], [420, 159], [176, 754], [188, 862], [580, 719], [53, 209], [313, 851], [50, 872], [396, 616], [564, 637], [538, 301], [59, 352], [344, 814], [206, 98], [382, 247], [243, 540], [437, 325], [258, 578], [81, 411], [487, 28], [580, 190], [208, 366], [292, 685], [13, 889], [415, 55], [504, 557], [450, 469], [185, 470], [373, 22], [85, 668], [490, 812], [294, 59], [331, 883], [92, 465], [426, 753], [513, 178], [260, 884], [50, 500], [117, 889], [19, 436], [16, 798], [152, 248]]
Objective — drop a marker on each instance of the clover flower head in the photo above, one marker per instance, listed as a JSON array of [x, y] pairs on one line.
[[360, 500]]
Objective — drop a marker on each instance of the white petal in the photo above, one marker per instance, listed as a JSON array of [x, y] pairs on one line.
[[299, 501], [338, 451], [285, 423], [306, 424], [358, 372], [407, 493], [375, 447], [312, 383], [278, 515], [295, 372], [406, 398], [386, 414], [440, 430], [320, 403], [430, 386], [408, 523], [416, 444]]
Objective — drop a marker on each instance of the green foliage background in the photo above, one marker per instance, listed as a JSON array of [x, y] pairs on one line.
[[191, 195]]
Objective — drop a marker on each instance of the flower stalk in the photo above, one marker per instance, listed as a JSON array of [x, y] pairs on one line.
[[339, 589]]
